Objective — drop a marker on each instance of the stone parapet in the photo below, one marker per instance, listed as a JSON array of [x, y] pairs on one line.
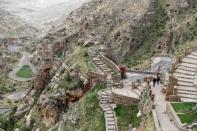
[[142, 72], [120, 99], [156, 121]]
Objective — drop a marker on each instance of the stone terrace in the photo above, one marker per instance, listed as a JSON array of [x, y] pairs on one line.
[[186, 77]]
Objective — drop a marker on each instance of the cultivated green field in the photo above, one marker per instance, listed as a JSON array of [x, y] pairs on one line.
[[25, 72], [185, 111]]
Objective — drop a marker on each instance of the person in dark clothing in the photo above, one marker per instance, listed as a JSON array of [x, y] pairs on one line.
[[154, 81], [158, 79]]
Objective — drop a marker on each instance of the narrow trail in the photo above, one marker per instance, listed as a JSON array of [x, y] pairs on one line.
[[160, 106]]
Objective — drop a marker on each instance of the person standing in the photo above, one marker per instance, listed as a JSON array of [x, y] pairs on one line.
[[158, 79], [154, 81]]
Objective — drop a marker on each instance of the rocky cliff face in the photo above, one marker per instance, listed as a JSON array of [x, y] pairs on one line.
[[111, 23]]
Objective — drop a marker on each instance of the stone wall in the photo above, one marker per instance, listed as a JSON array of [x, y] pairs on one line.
[[116, 78], [173, 116], [110, 63], [172, 82], [119, 99], [93, 74]]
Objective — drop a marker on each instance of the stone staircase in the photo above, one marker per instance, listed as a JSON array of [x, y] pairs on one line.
[[110, 118], [105, 95], [102, 66], [107, 106], [185, 75], [105, 103]]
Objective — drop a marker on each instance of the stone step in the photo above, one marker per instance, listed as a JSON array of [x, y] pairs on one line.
[[104, 68], [111, 130], [187, 88], [116, 83], [188, 60], [105, 105], [102, 65], [111, 123], [194, 53], [109, 82], [185, 80], [186, 68], [188, 65], [108, 91], [109, 112], [177, 75], [184, 83], [110, 119], [109, 115], [188, 100], [104, 93], [192, 57], [106, 109], [186, 92], [104, 102], [99, 62], [111, 127], [105, 96], [185, 72], [109, 86], [188, 96], [96, 59]]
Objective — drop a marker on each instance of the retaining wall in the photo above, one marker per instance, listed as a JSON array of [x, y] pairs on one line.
[[119, 99], [97, 75], [156, 121], [116, 78], [173, 116], [142, 72]]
